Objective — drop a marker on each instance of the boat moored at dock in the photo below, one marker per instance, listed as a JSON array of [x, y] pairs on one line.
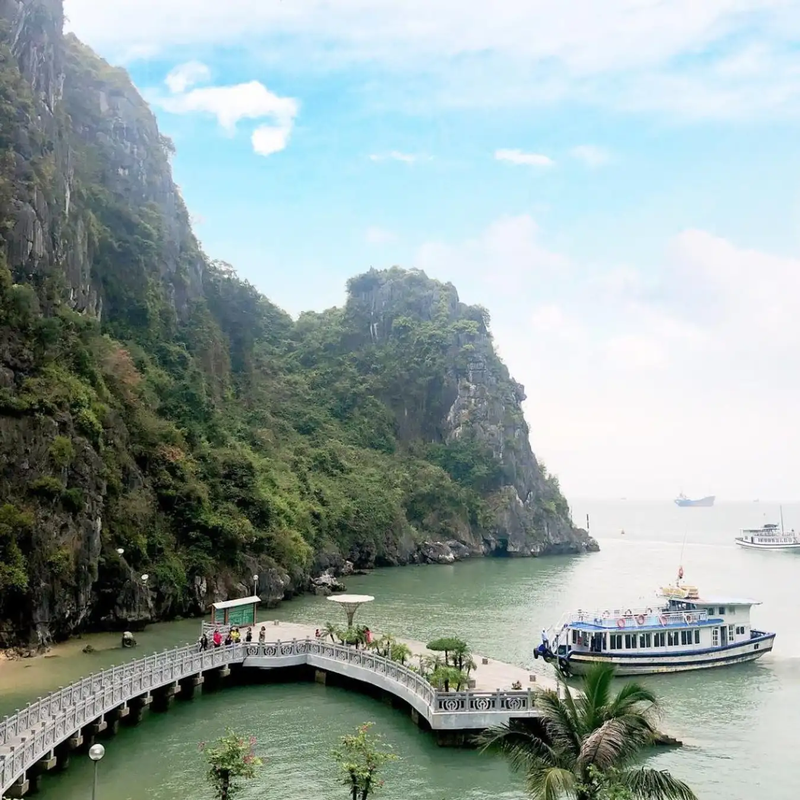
[[685, 631]]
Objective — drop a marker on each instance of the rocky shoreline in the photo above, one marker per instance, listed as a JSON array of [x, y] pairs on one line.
[[137, 606]]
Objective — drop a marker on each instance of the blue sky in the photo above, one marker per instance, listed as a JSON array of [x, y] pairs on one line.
[[617, 182]]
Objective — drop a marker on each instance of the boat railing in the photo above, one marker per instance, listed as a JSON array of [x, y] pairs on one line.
[[616, 618]]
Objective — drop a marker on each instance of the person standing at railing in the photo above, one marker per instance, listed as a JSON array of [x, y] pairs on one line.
[[203, 643], [217, 638], [262, 635], [249, 636]]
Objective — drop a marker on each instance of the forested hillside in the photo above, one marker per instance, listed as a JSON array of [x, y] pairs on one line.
[[151, 401]]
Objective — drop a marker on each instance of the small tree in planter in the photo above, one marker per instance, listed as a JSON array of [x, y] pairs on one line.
[[400, 652], [231, 759], [361, 757], [448, 678], [330, 630], [447, 645]]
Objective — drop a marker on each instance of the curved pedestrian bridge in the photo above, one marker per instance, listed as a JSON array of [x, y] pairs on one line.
[[42, 735]]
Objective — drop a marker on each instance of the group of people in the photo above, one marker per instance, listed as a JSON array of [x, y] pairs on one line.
[[233, 636]]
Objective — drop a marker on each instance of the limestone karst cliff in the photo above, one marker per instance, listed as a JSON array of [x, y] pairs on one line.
[[151, 402]]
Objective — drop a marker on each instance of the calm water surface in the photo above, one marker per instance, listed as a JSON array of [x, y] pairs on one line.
[[738, 723]]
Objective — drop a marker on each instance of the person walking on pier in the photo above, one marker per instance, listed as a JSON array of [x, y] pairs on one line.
[[262, 635], [249, 635], [203, 643]]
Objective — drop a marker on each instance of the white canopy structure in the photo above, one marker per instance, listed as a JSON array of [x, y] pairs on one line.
[[351, 603]]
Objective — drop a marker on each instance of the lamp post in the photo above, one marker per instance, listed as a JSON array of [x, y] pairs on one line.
[[255, 584], [120, 551], [96, 752]]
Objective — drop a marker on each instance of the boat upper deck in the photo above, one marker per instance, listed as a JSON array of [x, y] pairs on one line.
[[639, 619]]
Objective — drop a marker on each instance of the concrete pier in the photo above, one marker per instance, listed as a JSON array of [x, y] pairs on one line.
[[44, 735]]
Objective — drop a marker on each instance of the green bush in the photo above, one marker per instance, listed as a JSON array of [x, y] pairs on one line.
[[73, 500], [47, 487], [62, 451], [15, 526]]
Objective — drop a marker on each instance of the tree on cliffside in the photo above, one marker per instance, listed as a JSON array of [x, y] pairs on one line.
[[583, 747]]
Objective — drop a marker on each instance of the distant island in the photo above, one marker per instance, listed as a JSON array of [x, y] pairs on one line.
[[168, 433]]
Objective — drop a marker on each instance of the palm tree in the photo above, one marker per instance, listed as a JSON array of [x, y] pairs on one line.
[[400, 652], [329, 630], [583, 747]]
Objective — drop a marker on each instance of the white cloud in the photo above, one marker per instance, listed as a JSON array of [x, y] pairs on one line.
[[396, 155], [507, 254], [187, 75], [376, 235], [674, 56], [230, 105], [692, 367], [520, 157], [591, 155], [269, 139]]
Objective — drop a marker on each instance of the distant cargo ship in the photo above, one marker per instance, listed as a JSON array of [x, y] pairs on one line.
[[704, 502]]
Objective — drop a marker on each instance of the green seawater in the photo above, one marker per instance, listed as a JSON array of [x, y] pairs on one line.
[[738, 723]]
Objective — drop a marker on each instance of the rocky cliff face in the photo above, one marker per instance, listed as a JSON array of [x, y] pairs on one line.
[[458, 391], [160, 417]]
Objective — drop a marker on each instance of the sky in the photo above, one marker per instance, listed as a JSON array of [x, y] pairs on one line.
[[617, 181]]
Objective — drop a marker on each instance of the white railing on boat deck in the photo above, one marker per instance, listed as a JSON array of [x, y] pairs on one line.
[[619, 619]]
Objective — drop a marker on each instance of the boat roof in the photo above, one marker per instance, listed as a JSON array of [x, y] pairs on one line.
[[718, 600]]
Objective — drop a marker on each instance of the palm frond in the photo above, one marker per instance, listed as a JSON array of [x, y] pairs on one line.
[[596, 697], [653, 784], [633, 697], [551, 783], [608, 747], [561, 727], [521, 746]]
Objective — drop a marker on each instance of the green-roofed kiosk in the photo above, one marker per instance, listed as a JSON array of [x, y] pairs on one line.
[[240, 612]]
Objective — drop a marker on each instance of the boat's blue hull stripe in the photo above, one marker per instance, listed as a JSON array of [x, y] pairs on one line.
[[653, 653]]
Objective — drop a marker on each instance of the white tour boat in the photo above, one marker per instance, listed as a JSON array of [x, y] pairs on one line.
[[683, 632], [770, 537]]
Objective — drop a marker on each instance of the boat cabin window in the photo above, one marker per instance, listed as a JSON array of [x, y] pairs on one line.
[[697, 635], [630, 641], [659, 639], [645, 640], [616, 641], [740, 630], [715, 637], [672, 638], [721, 610]]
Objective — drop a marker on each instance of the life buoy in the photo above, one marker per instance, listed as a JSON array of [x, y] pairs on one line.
[[640, 619], [628, 613], [649, 611], [620, 623], [662, 619], [606, 614]]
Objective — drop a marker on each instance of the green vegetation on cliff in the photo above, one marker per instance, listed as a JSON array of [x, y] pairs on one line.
[[154, 402]]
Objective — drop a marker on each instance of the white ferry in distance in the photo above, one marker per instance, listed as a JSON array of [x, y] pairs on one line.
[[685, 632], [769, 537]]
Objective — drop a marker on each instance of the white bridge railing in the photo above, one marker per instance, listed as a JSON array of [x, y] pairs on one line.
[[33, 732]]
